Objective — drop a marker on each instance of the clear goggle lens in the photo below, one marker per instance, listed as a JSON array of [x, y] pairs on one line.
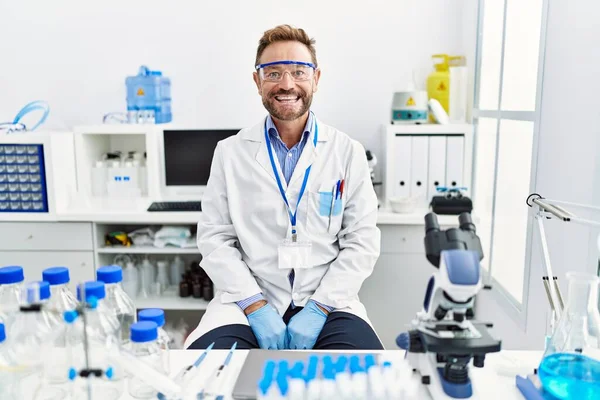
[[275, 72]]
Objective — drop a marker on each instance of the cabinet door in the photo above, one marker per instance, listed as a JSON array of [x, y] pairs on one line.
[[80, 263], [51, 236]]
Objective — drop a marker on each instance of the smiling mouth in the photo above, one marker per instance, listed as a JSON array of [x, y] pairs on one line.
[[287, 99]]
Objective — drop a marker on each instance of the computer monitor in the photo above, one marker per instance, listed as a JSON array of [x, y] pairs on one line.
[[188, 155]]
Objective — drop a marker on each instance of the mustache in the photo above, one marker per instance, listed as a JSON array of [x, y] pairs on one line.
[[291, 92]]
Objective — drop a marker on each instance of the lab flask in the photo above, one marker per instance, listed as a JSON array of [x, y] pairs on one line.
[[570, 368]]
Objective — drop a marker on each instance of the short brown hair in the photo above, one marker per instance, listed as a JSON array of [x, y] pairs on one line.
[[284, 33]]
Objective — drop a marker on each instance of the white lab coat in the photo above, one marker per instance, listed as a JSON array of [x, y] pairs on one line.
[[244, 218]]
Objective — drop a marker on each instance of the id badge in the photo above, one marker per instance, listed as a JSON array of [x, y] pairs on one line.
[[294, 255]]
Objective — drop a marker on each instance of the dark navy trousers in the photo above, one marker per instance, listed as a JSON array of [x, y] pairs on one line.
[[342, 331]]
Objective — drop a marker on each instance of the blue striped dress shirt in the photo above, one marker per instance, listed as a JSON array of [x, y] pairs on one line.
[[288, 158]]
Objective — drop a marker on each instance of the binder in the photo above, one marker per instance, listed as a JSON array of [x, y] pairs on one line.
[[454, 161], [400, 181], [437, 165], [418, 169]]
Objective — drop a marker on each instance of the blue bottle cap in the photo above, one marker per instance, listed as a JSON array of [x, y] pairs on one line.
[[56, 275], [11, 274], [110, 274], [92, 289], [144, 331], [155, 315], [387, 364], [2, 333]]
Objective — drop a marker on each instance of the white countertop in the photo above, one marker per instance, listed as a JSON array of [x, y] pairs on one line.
[[488, 382], [134, 211]]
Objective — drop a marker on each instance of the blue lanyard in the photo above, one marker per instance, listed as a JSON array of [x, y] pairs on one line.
[[278, 179]]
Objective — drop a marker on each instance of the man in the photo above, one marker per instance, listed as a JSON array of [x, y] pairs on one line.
[[288, 232]]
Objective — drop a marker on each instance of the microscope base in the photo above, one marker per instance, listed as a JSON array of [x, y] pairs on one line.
[[427, 366]]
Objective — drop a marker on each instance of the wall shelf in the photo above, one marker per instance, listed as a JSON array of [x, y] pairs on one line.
[[146, 250]]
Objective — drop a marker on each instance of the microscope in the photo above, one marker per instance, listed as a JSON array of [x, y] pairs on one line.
[[445, 338]]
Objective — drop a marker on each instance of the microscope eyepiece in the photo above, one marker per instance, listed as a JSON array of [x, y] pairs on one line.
[[431, 223], [465, 222]]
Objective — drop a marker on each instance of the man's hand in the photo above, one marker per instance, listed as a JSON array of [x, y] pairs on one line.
[[267, 325], [304, 328]]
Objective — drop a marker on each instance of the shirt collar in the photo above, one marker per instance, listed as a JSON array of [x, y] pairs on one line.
[[308, 128]]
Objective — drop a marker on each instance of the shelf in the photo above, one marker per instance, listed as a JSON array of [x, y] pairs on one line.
[[170, 301], [146, 250]]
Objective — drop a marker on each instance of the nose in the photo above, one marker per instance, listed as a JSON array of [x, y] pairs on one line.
[[287, 82]]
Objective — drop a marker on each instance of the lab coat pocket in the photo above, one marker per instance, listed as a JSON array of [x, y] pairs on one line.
[[325, 203]]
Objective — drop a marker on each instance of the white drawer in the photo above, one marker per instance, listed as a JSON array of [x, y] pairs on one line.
[[80, 263], [46, 236]]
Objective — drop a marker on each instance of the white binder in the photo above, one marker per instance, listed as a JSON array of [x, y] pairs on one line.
[[418, 170], [455, 150], [401, 179], [437, 165]]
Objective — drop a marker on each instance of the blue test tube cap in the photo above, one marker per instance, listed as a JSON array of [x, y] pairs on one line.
[[11, 274], [110, 274], [369, 361], [56, 275], [72, 374], [144, 331], [297, 369], [355, 364], [387, 364], [109, 372], [282, 382], [92, 289], [342, 364], [2, 333], [155, 315]]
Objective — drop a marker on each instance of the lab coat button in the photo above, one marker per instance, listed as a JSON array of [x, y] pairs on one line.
[[296, 296]]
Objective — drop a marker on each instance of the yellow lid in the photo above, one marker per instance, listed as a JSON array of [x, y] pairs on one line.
[[440, 62]]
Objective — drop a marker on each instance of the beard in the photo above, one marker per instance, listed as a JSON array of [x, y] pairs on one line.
[[286, 110]]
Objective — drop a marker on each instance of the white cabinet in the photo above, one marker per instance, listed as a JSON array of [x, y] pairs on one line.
[[46, 236], [80, 263]]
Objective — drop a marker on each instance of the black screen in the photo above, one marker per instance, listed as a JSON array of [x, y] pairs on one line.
[[189, 154]]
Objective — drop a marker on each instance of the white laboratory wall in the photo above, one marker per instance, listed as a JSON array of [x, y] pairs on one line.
[[76, 55], [568, 166]]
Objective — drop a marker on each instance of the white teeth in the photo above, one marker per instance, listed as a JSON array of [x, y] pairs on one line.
[[280, 98]]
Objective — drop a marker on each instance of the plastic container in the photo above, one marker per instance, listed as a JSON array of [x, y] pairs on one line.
[[11, 283], [177, 269], [102, 329], [438, 82], [61, 300], [117, 300], [157, 316], [99, 178], [144, 335], [147, 278], [148, 97], [131, 280], [163, 275]]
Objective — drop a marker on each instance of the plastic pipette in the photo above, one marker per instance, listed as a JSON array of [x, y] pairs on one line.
[[184, 375], [214, 385], [185, 372]]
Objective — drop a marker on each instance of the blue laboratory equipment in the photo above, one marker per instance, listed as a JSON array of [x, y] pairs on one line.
[[570, 368], [148, 97], [23, 178]]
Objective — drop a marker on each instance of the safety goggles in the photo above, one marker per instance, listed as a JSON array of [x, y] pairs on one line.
[[274, 71]]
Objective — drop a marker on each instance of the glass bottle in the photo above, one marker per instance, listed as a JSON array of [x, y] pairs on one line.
[[117, 300], [570, 368]]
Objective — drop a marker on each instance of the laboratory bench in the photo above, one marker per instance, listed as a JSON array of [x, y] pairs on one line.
[[494, 381], [75, 239]]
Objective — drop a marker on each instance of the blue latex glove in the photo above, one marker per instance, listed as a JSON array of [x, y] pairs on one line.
[[269, 328], [304, 327]]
